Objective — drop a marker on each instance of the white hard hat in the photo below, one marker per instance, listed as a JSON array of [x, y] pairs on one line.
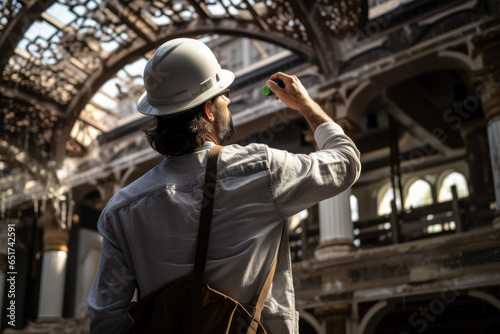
[[182, 74]]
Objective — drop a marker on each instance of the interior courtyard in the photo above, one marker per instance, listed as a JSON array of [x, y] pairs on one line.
[[412, 247]]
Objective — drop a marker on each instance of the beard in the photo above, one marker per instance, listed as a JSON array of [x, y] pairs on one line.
[[224, 126]]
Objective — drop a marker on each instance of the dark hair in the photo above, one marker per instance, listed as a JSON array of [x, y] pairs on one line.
[[177, 135]]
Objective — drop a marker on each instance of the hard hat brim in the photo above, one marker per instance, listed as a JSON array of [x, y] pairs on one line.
[[144, 107]]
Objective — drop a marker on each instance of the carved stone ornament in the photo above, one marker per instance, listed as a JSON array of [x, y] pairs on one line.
[[485, 40], [487, 82], [55, 239]]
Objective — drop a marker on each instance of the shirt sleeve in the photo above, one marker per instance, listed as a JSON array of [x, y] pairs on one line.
[[113, 287], [299, 181]]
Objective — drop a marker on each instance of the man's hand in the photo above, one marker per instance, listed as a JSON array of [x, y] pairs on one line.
[[295, 96]]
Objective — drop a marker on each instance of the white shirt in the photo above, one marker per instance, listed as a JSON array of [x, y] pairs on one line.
[[150, 227]]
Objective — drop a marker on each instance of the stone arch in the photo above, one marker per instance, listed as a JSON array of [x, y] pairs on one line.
[[459, 60], [406, 184], [441, 177], [373, 316], [409, 183], [365, 92], [359, 99], [492, 300], [311, 320], [381, 192]]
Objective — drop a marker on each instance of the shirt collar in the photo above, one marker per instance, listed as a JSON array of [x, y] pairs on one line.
[[206, 146]]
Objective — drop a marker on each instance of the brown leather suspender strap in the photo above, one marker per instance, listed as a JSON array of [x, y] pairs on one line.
[[206, 215]]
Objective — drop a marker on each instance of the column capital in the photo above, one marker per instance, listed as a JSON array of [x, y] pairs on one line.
[[485, 41], [55, 239], [328, 244], [487, 82]]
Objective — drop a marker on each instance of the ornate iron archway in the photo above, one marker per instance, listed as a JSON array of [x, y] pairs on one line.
[[48, 79]]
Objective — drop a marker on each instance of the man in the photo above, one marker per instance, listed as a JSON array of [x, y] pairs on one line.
[[150, 227]]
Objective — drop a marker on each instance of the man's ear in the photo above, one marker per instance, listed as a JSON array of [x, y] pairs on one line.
[[207, 111]]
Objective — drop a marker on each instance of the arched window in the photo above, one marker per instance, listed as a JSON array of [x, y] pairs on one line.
[[354, 208], [456, 179], [384, 206], [419, 194]]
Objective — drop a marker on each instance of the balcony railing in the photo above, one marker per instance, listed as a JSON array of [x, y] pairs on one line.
[[452, 217]]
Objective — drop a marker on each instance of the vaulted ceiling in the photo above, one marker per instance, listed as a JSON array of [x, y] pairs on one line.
[[56, 56]]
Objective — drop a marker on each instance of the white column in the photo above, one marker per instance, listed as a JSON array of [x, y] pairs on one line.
[[55, 256], [50, 304], [335, 227], [89, 250], [335, 218]]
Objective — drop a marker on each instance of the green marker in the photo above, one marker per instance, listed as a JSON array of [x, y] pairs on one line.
[[267, 91]]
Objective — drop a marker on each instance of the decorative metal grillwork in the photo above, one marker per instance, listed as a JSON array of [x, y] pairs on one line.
[[9, 10], [342, 16], [35, 122], [57, 54]]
